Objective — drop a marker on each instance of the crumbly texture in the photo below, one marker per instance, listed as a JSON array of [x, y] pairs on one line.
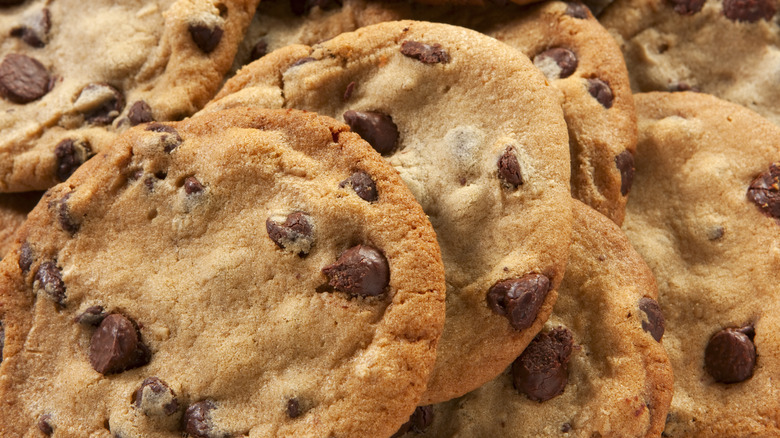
[[250, 338], [597, 134], [619, 377], [169, 55], [13, 211], [714, 252], [701, 48], [463, 126]]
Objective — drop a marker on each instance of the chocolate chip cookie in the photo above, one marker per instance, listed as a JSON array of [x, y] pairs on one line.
[[705, 215], [245, 273], [13, 211], [478, 136], [72, 77], [597, 369]]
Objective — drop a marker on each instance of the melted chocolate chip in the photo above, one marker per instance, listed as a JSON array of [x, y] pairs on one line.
[[359, 271], [363, 185], [23, 79], [425, 53], [116, 346], [48, 280], [687, 7], [25, 257], [258, 51], [155, 398], [655, 324], [556, 63], [625, 163], [100, 103], [421, 418], [541, 372], [66, 220], [764, 191], [206, 38], [2, 340], [509, 168], [519, 299], [70, 155], [730, 356], [376, 128], [45, 424], [348, 91], [197, 420], [293, 408], [92, 316], [577, 10], [749, 10], [36, 31], [140, 112], [601, 92], [295, 234], [192, 186], [170, 138]]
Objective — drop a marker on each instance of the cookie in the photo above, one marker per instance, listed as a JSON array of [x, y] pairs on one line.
[[486, 158], [598, 368], [222, 276], [13, 211], [66, 89], [574, 51], [704, 215], [725, 48]]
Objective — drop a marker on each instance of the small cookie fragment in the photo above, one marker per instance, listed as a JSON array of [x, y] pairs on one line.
[[359, 271], [730, 356], [541, 372]]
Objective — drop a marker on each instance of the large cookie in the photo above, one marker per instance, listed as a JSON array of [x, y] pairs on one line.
[[704, 214], [728, 48], [13, 211], [599, 367], [478, 136], [247, 273], [72, 76]]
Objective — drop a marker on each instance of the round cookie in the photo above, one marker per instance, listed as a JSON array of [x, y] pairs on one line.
[[66, 89], [13, 211], [730, 48], [245, 273], [598, 368], [704, 215], [478, 136]]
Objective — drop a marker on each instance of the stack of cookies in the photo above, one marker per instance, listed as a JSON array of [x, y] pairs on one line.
[[357, 218]]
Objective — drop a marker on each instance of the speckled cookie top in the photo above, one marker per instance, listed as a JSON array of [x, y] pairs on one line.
[[705, 216], [222, 276], [67, 87], [478, 136]]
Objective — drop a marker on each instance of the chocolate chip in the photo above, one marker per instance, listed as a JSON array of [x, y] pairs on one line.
[[35, 31], [421, 418], [258, 51], [360, 271], [376, 128], [2, 340], [192, 186], [601, 92], [70, 155], [541, 372], [682, 86], [655, 323], [293, 408], [92, 316], [565, 427], [48, 281], [140, 112], [425, 53], [45, 424], [519, 299], [509, 168], [687, 7], [348, 91], [197, 420], [295, 234], [556, 63], [171, 138], [363, 185], [577, 10], [730, 356], [764, 191], [154, 398], [625, 163], [100, 103], [66, 220], [749, 10], [23, 79], [206, 38], [116, 346], [25, 257]]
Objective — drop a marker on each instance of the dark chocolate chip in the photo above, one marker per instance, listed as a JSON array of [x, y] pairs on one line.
[[359, 271], [48, 280], [66, 220], [509, 168], [293, 408], [730, 356], [363, 185], [541, 372], [45, 424], [258, 51], [206, 38], [749, 10], [348, 91], [192, 186], [171, 138], [92, 316], [116, 346], [376, 128], [70, 155], [625, 163], [425, 53], [140, 112], [655, 324], [155, 398], [565, 427], [2, 340], [25, 257], [23, 79], [764, 191], [687, 7], [197, 420], [556, 63], [421, 418], [100, 103], [601, 92], [577, 10], [36, 31], [519, 299], [295, 234]]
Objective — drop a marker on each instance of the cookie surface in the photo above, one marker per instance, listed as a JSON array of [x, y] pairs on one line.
[[598, 368], [267, 274], [66, 89], [478, 136], [704, 215], [13, 211], [725, 48]]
